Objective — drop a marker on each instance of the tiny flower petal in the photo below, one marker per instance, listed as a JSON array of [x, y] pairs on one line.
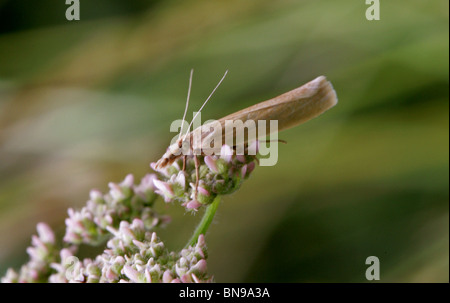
[[203, 191], [250, 167], [211, 163], [115, 191], [45, 233], [164, 189], [194, 277], [95, 195], [128, 181], [131, 273], [181, 179], [200, 267], [167, 277], [186, 278], [193, 204], [65, 253], [243, 171], [226, 153], [111, 275], [201, 241]]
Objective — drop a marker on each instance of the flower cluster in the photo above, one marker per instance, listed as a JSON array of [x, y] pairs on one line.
[[42, 253], [136, 255], [124, 202], [125, 219], [218, 175], [133, 254]]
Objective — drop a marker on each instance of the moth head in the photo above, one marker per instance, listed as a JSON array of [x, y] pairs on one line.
[[184, 145]]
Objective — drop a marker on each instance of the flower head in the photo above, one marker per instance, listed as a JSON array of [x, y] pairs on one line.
[[218, 175]]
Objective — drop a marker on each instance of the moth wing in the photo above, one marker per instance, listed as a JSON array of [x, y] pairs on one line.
[[289, 109], [292, 108]]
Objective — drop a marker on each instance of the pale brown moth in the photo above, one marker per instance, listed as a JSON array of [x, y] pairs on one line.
[[290, 109]]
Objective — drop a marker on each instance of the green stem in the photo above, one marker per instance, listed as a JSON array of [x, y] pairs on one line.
[[202, 227]]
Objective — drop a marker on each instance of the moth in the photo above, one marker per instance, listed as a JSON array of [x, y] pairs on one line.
[[290, 109]]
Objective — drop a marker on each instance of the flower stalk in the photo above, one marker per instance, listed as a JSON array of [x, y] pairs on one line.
[[204, 224]]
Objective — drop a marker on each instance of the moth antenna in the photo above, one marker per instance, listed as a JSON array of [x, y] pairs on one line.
[[187, 102], [218, 84]]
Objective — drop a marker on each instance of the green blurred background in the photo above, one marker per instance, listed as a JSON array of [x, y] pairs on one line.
[[86, 102]]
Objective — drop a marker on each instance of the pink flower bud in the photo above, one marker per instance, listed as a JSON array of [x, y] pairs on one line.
[[211, 163], [131, 273], [167, 277], [128, 181], [45, 233], [164, 189], [186, 278], [201, 241], [243, 171], [193, 204], [226, 153], [200, 267], [250, 167], [203, 191], [95, 195]]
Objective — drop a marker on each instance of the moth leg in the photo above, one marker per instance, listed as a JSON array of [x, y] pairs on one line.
[[197, 175], [184, 162], [277, 140]]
